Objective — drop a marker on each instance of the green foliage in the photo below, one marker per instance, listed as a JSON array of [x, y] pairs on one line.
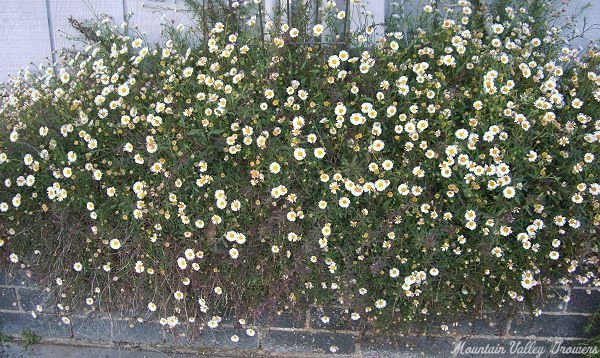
[[593, 326], [255, 163], [29, 338]]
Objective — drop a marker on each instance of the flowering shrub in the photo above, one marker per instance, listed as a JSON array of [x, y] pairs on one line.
[[242, 165]]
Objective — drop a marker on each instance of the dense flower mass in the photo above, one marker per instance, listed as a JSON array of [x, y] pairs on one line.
[[424, 172]]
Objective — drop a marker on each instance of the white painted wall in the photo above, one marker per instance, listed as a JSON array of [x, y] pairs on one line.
[[31, 29], [24, 36], [591, 14]]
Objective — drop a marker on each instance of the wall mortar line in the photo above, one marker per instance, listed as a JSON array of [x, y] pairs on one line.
[[18, 296], [125, 10], [51, 33], [570, 295]]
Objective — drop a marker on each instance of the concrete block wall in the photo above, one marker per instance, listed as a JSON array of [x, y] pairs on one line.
[[559, 329]]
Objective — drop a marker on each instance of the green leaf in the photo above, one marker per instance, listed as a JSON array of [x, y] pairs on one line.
[[194, 132], [217, 131]]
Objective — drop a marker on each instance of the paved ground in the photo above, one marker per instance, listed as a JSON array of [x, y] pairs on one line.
[[15, 349], [559, 329]]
